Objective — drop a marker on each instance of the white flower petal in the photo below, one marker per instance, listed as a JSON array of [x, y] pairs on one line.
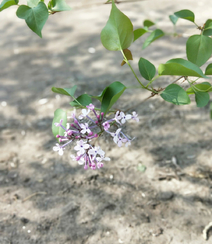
[[123, 121], [106, 159], [55, 148], [81, 161]]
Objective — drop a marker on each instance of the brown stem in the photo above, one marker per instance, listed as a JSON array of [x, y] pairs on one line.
[[153, 94]]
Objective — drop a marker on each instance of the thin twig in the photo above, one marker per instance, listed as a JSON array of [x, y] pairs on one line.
[[34, 194], [162, 89], [152, 95], [178, 79]]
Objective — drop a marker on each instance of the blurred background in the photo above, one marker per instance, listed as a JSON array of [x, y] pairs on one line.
[[156, 191]]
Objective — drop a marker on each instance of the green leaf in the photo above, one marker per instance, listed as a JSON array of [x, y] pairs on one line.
[[7, 3], [32, 3], [146, 69], [82, 101], [207, 32], [202, 87], [118, 32], [58, 115], [139, 32], [175, 94], [208, 24], [35, 17], [208, 70], [65, 91], [173, 19], [180, 67], [148, 23], [110, 95], [59, 5], [153, 36], [198, 49], [185, 14], [202, 99], [208, 28]]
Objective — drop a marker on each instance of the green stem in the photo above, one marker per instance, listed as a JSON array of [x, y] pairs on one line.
[[195, 88], [156, 77], [142, 85], [196, 24], [194, 81], [77, 102]]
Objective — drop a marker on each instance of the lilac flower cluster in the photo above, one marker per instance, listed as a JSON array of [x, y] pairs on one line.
[[84, 132]]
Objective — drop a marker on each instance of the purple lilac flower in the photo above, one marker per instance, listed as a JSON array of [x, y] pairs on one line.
[[59, 124], [85, 112], [90, 106], [116, 135], [58, 149], [81, 147], [106, 125], [96, 150], [87, 154], [135, 116], [124, 117], [117, 117], [85, 128]]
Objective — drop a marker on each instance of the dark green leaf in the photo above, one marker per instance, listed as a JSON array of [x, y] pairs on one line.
[[153, 36], [208, 28], [82, 101], [110, 95], [118, 32], [208, 70], [139, 32], [7, 3], [146, 69], [35, 17], [207, 32], [202, 87], [148, 23], [173, 19], [185, 14], [180, 67], [59, 5], [58, 115], [65, 91], [202, 99], [208, 24], [199, 49], [176, 95]]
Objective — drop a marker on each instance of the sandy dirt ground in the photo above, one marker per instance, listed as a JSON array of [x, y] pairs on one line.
[[48, 199]]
